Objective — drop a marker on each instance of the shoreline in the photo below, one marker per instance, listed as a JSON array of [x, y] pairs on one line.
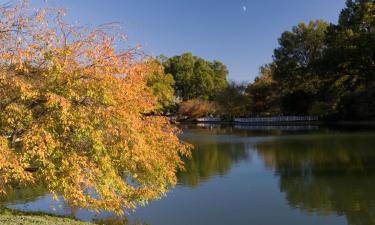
[[11, 216]]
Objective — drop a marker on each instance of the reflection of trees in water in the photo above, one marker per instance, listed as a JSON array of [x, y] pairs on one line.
[[23, 194], [216, 129], [116, 221], [326, 174], [345, 195], [209, 159]]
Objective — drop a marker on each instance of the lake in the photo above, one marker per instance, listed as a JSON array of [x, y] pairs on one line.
[[256, 175]]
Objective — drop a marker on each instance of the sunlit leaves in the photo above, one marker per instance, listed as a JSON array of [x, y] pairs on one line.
[[73, 114]]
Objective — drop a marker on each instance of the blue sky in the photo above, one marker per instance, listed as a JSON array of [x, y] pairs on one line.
[[240, 33]]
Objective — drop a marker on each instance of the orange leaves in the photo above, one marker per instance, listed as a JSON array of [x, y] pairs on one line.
[[195, 108], [40, 15], [72, 109], [11, 168]]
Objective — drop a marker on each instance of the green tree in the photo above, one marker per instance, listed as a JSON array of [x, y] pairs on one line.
[[262, 93], [296, 66], [349, 62], [322, 69], [220, 75], [196, 77], [232, 101], [161, 85]]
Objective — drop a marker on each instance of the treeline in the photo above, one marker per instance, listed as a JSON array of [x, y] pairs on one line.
[[317, 69], [187, 84]]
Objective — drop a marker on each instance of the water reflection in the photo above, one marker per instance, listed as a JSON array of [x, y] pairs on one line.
[[116, 220], [211, 159], [23, 194], [331, 174], [329, 177]]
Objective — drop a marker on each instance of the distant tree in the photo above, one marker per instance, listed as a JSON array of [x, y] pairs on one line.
[[297, 56], [195, 108], [322, 69], [161, 84], [220, 76], [263, 93], [202, 83], [297, 62], [298, 102], [349, 62], [182, 70], [196, 77], [232, 101]]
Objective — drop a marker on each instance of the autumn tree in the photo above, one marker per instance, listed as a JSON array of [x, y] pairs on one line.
[[263, 93], [195, 108], [73, 114]]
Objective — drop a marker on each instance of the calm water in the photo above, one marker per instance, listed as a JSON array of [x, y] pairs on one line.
[[257, 175]]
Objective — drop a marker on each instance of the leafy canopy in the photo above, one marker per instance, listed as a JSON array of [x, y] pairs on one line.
[[232, 101], [161, 84], [323, 69], [196, 77], [73, 114]]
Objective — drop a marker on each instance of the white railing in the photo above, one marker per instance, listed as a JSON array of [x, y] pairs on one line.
[[276, 119], [263, 127], [209, 119]]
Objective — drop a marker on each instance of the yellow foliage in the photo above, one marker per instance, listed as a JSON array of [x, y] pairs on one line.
[[73, 115]]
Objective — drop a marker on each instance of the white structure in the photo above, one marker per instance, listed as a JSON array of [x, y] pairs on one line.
[[276, 119]]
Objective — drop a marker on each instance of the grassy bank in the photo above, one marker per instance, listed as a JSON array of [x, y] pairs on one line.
[[13, 217]]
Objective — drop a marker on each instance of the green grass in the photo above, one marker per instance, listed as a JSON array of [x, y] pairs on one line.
[[13, 217]]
